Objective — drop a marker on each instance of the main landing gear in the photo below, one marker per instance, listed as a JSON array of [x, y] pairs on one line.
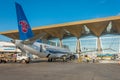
[[51, 59], [63, 58]]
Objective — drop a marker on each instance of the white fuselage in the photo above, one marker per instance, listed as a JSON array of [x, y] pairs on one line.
[[44, 50]]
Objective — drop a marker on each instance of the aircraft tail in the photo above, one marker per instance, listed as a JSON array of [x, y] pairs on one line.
[[25, 31]]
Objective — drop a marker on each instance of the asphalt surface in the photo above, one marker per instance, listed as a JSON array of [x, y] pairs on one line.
[[59, 71]]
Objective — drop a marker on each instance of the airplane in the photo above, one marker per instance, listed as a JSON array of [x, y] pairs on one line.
[[27, 40]]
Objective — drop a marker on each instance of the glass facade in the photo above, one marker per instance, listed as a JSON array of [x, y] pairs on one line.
[[88, 43], [71, 43], [110, 43]]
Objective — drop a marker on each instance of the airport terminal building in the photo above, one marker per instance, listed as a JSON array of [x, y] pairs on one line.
[[100, 36], [109, 43]]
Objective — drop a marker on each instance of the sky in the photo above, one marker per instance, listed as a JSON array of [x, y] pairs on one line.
[[47, 12]]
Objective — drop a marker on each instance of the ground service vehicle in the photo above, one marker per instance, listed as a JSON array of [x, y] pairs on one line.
[[8, 57]]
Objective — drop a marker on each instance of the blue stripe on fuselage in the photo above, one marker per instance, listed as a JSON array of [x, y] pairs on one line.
[[56, 51]]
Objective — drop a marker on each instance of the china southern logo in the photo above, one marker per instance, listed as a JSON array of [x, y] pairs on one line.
[[24, 26]]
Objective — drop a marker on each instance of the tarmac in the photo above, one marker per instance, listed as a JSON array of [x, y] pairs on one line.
[[59, 71]]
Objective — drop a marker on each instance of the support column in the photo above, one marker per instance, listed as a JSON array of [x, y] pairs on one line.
[[99, 49], [78, 46], [60, 43], [78, 50]]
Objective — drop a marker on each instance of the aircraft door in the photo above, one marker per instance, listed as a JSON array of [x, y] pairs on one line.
[[41, 48]]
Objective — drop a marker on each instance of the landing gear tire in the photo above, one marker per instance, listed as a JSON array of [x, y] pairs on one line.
[[51, 59]]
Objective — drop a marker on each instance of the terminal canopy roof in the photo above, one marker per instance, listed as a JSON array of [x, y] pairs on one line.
[[95, 26]]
